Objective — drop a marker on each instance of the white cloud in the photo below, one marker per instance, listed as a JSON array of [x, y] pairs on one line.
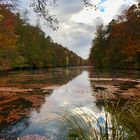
[[77, 25], [75, 36], [110, 10]]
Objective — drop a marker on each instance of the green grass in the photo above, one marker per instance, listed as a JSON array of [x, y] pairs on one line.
[[117, 123]]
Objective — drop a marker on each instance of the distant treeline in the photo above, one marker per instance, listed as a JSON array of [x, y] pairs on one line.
[[117, 46], [23, 45]]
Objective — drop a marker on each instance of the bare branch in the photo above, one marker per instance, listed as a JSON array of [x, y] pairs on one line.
[[41, 8]]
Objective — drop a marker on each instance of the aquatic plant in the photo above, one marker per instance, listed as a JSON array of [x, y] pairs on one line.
[[116, 122]]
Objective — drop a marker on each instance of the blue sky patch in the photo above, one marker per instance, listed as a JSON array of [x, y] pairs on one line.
[[102, 9], [101, 2]]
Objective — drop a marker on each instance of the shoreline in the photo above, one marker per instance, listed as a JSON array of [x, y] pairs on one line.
[[38, 68]]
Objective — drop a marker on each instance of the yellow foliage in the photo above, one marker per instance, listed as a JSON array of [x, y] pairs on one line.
[[8, 41], [1, 17]]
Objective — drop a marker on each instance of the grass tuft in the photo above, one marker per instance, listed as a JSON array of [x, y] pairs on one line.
[[116, 122]]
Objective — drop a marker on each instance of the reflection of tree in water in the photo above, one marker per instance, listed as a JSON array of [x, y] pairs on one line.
[[124, 111], [120, 84], [15, 105], [46, 76]]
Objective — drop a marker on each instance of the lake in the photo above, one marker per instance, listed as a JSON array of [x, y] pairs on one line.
[[31, 100]]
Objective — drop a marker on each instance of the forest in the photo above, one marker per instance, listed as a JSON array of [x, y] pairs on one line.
[[23, 45], [117, 45]]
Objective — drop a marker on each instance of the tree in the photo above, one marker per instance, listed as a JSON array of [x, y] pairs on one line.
[[8, 37], [98, 53], [118, 45], [24, 45]]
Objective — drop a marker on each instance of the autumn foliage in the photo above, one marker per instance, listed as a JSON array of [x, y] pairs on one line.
[[8, 37], [23, 45], [118, 44]]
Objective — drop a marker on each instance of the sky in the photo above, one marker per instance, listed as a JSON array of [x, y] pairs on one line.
[[77, 24]]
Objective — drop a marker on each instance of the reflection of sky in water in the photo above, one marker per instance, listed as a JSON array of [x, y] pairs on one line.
[[77, 92]]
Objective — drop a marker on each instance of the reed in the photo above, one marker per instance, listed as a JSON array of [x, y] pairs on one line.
[[118, 122]]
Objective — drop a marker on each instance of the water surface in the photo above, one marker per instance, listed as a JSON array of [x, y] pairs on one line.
[[31, 100]]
